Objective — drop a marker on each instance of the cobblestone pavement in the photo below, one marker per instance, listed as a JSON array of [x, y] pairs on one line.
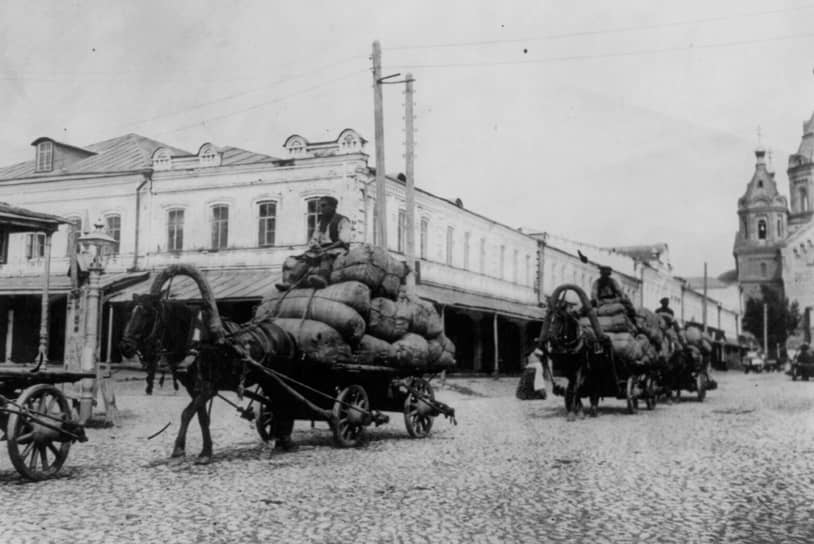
[[738, 467]]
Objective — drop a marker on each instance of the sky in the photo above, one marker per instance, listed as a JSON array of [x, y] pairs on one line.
[[610, 123]]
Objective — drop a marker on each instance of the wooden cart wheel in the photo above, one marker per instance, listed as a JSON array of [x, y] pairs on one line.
[[418, 415], [351, 414], [631, 395], [264, 422], [701, 386], [650, 394], [36, 451]]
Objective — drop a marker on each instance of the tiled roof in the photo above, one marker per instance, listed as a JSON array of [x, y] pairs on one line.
[[121, 154], [226, 284], [235, 155]]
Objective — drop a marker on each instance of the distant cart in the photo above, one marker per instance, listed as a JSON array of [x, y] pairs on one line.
[[36, 418]]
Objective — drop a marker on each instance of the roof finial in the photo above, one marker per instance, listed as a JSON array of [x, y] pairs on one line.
[[759, 139]]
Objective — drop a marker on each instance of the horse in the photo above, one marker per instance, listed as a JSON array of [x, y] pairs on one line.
[[574, 350], [210, 360]]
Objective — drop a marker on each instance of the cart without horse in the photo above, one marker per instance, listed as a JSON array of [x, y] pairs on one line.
[[36, 418], [583, 355], [262, 363]]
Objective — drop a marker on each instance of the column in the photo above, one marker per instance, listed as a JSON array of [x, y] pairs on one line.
[[496, 370], [9, 334], [477, 347], [42, 352]]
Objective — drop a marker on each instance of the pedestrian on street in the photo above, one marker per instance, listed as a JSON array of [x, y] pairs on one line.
[[331, 238]]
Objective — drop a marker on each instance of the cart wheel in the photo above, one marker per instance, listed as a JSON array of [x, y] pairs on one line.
[[418, 415], [264, 422], [36, 451], [701, 386], [631, 395], [650, 392], [351, 414]]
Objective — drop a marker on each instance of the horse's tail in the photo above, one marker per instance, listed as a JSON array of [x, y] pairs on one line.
[[212, 320], [545, 332]]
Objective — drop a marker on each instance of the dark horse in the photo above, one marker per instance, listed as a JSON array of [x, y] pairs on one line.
[[575, 351], [213, 359]]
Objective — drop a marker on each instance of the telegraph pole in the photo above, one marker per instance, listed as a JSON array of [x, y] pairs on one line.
[[765, 330], [705, 297], [409, 157], [380, 209]]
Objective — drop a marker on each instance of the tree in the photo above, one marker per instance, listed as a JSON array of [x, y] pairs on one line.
[[783, 317]]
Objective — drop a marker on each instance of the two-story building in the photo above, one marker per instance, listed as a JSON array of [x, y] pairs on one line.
[[237, 215]]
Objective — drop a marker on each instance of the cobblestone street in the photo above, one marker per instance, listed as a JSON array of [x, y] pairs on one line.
[[737, 468]]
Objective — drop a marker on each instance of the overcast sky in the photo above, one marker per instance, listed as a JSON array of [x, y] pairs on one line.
[[611, 123]]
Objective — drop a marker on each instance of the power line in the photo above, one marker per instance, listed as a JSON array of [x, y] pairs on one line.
[[603, 31], [295, 94], [632, 53]]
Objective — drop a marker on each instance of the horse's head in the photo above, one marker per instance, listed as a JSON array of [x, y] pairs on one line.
[[565, 333], [140, 331]]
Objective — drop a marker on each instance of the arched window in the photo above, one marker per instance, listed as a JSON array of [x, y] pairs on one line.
[[208, 156], [162, 160], [779, 228], [803, 199], [761, 229]]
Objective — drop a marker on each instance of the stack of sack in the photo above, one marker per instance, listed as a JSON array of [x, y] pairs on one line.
[[363, 316], [640, 342], [696, 338]]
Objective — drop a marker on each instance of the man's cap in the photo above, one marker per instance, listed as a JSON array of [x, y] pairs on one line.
[[604, 268], [665, 300], [329, 199]]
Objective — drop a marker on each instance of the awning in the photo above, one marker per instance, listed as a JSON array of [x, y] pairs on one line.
[[226, 284], [60, 284], [482, 303]]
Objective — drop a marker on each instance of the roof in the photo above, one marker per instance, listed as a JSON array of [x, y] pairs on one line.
[[806, 149], [131, 152], [697, 282], [13, 219], [483, 303], [235, 155], [61, 283], [226, 284]]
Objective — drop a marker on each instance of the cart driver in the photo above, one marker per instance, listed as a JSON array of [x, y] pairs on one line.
[[805, 357], [665, 308], [331, 238], [606, 290]]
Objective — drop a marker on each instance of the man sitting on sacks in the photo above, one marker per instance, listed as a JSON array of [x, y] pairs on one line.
[[331, 238], [605, 290]]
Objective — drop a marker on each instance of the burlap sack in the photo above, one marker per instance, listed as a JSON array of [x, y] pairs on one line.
[[625, 346], [412, 351], [317, 341], [611, 308], [388, 320], [616, 323], [650, 324], [374, 351], [344, 319], [441, 351], [350, 293], [373, 266], [425, 320]]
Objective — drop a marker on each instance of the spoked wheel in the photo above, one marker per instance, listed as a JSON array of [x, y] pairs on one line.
[[265, 422], [351, 413], [650, 394], [632, 395], [36, 451], [418, 414], [701, 386]]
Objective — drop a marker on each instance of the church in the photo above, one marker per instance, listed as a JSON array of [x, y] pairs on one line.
[[774, 244]]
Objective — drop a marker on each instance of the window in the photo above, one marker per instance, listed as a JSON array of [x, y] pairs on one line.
[[175, 230], [35, 246], [267, 223], [763, 270], [502, 270], [803, 199], [482, 261], [45, 156], [3, 246], [425, 226], [761, 229], [208, 156], [74, 232], [402, 232], [312, 216], [528, 271], [220, 226], [467, 237], [779, 228], [162, 160], [515, 271], [450, 244], [113, 228]]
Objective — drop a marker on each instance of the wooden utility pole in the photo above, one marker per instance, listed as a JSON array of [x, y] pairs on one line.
[[765, 329], [409, 156], [705, 297], [380, 209]]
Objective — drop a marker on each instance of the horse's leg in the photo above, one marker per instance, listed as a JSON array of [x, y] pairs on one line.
[[205, 457], [150, 378], [570, 393], [580, 379], [186, 417]]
